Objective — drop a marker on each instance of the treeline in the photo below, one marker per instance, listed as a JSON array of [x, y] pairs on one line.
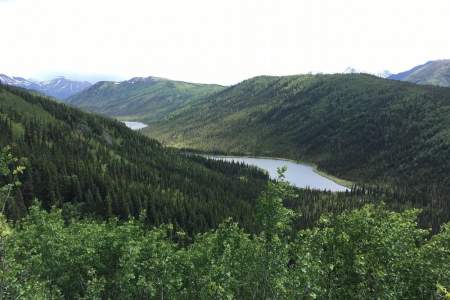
[[311, 204], [370, 253], [90, 165]]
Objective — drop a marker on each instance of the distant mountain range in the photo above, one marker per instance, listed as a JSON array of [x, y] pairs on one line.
[[435, 72], [59, 87], [153, 98]]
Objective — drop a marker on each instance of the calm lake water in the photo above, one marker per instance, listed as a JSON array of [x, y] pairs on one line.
[[298, 174], [135, 125]]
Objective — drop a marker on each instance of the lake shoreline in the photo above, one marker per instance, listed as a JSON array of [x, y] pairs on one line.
[[339, 181], [135, 125]]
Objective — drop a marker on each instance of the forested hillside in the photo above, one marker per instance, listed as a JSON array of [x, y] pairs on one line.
[[91, 165], [357, 127], [144, 99]]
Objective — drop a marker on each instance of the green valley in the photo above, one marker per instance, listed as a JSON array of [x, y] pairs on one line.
[[88, 165]]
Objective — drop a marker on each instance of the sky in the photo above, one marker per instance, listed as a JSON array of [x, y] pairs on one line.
[[217, 41]]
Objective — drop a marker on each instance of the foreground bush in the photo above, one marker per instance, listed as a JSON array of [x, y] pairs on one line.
[[369, 253]]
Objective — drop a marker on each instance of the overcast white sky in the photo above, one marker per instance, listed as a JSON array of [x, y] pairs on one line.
[[217, 41]]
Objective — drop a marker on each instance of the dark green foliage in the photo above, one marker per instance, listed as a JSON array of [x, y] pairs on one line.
[[96, 166], [369, 253]]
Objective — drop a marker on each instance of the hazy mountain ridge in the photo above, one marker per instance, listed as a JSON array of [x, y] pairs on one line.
[[59, 87], [435, 72]]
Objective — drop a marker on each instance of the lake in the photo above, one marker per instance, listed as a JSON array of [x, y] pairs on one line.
[[300, 175], [135, 125]]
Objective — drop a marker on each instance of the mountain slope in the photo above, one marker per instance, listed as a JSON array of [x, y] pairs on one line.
[[433, 72], [59, 88], [88, 164], [144, 99], [357, 127]]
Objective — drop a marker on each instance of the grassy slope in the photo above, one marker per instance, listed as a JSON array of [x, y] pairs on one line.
[[357, 127], [141, 99]]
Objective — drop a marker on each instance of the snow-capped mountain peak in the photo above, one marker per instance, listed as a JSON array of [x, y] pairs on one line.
[[12, 80], [59, 87]]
